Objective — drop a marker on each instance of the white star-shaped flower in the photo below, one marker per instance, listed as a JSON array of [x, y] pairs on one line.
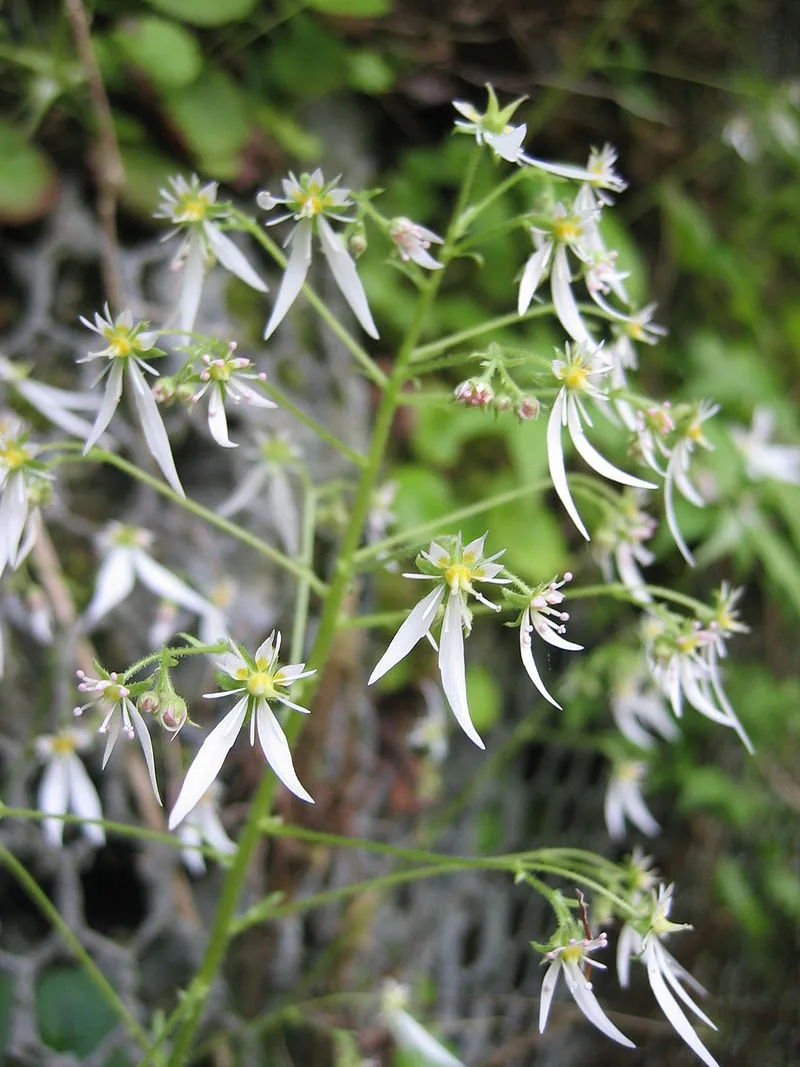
[[66, 787]]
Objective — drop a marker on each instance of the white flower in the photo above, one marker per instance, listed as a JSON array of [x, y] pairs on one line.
[[311, 202], [690, 435], [407, 1032], [683, 658], [268, 484], [127, 341], [620, 545], [227, 378], [24, 483], [763, 459], [429, 733], [380, 517], [624, 800], [571, 960], [598, 176], [568, 228], [638, 707], [260, 680], [539, 615], [666, 976], [193, 209], [66, 787], [454, 570], [203, 826], [493, 128], [56, 405], [124, 560], [112, 699], [413, 241], [581, 371]]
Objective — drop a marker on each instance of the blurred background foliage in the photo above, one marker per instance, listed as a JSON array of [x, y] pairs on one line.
[[701, 97]]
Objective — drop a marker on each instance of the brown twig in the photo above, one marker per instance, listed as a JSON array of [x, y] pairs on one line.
[[109, 172]]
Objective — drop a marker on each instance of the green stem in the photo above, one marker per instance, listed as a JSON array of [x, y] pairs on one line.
[[621, 592], [256, 543], [370, 368], [300, 620], [284, 402], [178, 653], [29, 885], [417, 533], [511, 319], [326, 632]]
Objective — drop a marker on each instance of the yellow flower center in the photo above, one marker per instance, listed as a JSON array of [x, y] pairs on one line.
[[635, 331], [119, 340], [572, 954], [112, 694], [575, 378], [194, 209], [14, 456], [260, 684], [62, 746], [694, 432], [566, 230], [458, 576], [219, 371]]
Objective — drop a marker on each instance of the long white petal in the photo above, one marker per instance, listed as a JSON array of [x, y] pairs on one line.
[[295, 275], [410, 1035], [345, 275], [214, 831], [165, 585], [140, 726], [593, 458], [629, 944], [208, 761], [247, 491], [564, 299], [507, 145], [283, 511], [614, 812], [413, 629], [451, 665], [84, 800], [528, 662], [672, 1009], [587, 1002], [153, 428], [552, 637], [190, 854], [277, 752], [638, 812], [109, 405], [532, 276], [231, 258], [52, 799], [672, 520], [13, 514], [53, 404], [191, 284], [555, 461], [217, 419], [114, 583], [114, 728], [548, 989], [672, 980], [561, 170]]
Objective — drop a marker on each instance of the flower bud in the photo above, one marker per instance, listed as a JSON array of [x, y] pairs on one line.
[[358, 242], [474, 394], [528, 409]]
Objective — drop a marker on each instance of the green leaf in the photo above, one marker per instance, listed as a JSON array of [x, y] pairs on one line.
[[213, 118], [146, 173], [485, 698], [71, 1013], [422, 495], [354, 9], [370, 73], [167, 53], [205, 12], [734, 887], [28, 182], [305, 46]]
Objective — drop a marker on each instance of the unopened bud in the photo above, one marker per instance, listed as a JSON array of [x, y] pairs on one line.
[[503, 402], [358, 243], [528, 409], [474, 394]]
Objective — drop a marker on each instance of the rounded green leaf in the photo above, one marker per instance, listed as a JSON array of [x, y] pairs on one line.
[[71, 1013], [167, 53], [28, 182], [205, 12], [353, 9], [214, 121]]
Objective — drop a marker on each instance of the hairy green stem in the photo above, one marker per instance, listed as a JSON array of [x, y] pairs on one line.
[[300, 620], [462, 336], [618, 591]]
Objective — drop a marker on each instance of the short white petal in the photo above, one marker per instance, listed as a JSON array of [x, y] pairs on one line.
[[346, 276], [84, 800], [114, 583], [593, 458], [587, 1002], [555, 460], [532, 276], [295, 275], [52, 799], [552, 637], [410, 1035], [217, 420], [109, 405], [564, 299], [147, 746], [153, 427], [413, 629], [208, 761], [166, 585], [508, 145], [451, 665], [190, 854], [629, 944], [672, 1009], [548, 989], [277, 752], [231, 258], [638, 812]]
